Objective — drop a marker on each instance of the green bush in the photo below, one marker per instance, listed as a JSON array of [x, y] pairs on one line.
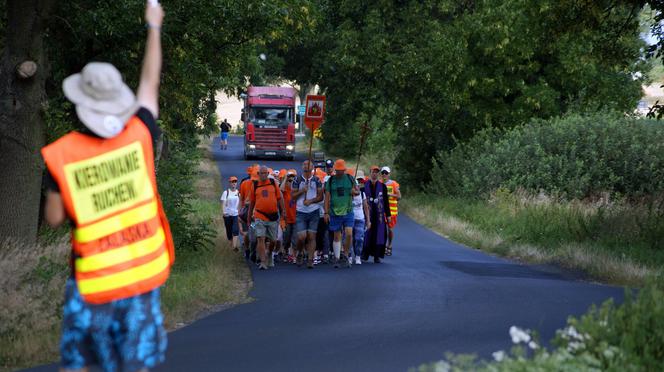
[[176, 175], [628, 337], [576, 156]]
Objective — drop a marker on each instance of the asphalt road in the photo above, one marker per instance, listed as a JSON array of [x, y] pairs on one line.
[[430, 297]]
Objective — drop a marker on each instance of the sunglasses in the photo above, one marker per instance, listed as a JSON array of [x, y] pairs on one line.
[[384, 172], [234, 181]]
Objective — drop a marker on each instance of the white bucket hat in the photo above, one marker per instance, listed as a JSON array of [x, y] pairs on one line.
[[104, 103]]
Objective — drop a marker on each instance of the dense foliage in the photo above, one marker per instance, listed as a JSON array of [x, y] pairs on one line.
[[435, 72], [209, 46], [577, 156]]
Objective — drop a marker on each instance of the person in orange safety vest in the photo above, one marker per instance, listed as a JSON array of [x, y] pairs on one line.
[[394, 195], [102, 179]]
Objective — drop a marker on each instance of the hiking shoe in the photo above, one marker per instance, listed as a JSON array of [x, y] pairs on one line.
[[326, 259], [343, 261], [298, 260], [270, 261], [376, 260], [316, 260], [357, 260], [310, 265], [262, 267]]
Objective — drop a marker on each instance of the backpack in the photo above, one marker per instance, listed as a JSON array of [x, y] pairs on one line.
[[270, 216], [329, 181]]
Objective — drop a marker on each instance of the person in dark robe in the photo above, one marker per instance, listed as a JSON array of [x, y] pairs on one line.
[[379, 212]]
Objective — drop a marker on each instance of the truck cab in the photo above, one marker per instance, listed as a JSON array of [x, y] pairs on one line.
[[269, 122]]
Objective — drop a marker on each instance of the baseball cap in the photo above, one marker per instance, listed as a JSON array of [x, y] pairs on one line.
[[360, 175], [374, 167], [329, 163], [385, 169], [292, 172], [340, 165], [104, 103]]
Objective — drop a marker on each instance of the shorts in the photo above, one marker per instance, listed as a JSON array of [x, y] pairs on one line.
[[224, 136], [337, 223], [231, 225], [266, 229], [122, 335], [307, 222], [393, 222]]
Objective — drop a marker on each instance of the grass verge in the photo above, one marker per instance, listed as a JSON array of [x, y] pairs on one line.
[[595, 239], [207, 279], [32, 282]]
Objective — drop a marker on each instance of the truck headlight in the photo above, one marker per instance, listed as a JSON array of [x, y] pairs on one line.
[[252, 147], [290, 147]]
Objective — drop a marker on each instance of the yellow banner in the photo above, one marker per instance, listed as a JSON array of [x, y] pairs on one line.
[[110, 182]]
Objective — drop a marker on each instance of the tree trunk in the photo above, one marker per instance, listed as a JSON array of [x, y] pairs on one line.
[[21, 123]]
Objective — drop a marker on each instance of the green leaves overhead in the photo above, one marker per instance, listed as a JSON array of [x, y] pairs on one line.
[[452, 68]]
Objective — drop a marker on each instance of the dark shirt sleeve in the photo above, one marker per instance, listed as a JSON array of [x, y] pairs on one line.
[[49, 182], [149, 120]]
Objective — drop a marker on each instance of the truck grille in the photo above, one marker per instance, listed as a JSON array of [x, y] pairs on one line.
[[270, 138]]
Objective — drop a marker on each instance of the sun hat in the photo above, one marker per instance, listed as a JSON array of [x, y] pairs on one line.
[[360, 175], [340, 165], [283, 173], [104, 103], [385, 169]]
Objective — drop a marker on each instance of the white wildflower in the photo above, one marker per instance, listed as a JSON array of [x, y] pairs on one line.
[[574, 346], [442, 366], [498, 356], [519, 335], [571, 332], [533, 345]]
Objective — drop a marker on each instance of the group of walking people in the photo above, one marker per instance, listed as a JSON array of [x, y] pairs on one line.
[[320, 216]]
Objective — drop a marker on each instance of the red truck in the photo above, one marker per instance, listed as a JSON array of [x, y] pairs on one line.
[[269, 122]]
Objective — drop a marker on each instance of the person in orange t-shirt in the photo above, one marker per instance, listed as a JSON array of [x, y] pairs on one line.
[[291, 210], [243, 209], [265, 208]]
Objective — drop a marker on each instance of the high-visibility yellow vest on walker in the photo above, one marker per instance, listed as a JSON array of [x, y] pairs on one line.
[[392, 186], [122, 240]]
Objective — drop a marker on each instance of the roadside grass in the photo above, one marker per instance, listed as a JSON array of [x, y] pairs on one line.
[[609, 243], [32, 282], [212, 277], [32, 279]]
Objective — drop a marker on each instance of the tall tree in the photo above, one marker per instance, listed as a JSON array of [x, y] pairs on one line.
[[23, 73]]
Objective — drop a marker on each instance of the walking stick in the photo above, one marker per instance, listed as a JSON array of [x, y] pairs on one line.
[[311, 143], [363, 135]]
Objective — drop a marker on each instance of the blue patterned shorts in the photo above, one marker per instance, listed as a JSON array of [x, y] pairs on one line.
[[123, 335]]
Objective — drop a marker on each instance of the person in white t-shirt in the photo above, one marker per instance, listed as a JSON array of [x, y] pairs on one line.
[[362, 220], [229, 203]]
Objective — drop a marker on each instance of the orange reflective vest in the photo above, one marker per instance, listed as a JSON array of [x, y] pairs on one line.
[[392, 185], [122, 240]]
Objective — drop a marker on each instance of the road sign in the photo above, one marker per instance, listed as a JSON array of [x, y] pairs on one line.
[[300, 109], [315, 111]]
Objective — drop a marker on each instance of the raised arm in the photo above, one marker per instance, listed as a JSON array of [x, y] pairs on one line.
[[148, 86]]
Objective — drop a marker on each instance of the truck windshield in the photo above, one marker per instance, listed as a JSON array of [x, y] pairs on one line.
[[271, 115]]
